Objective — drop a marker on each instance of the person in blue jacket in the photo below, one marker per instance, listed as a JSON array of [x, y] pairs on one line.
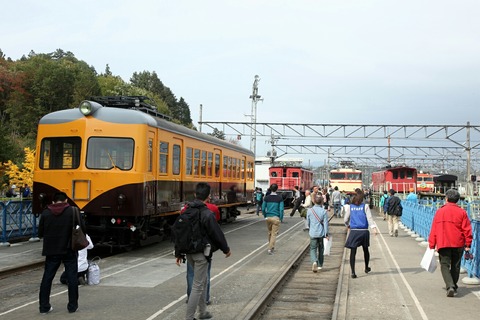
[[358, 219], [317, 218]]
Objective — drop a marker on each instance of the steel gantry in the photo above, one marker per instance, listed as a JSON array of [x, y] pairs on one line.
[[440, 146]]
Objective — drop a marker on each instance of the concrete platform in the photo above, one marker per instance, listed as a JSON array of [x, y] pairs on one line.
[[146, 284]]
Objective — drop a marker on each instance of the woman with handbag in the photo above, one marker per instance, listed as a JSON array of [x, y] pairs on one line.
[[317, 219]]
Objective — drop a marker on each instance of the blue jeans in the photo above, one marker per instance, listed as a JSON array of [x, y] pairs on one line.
[[190, 280], [259, 207], [52, 263], [316, 251], [337, 209]]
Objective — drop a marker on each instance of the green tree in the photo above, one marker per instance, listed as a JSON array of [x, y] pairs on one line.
[[217, 133], [179, 110]]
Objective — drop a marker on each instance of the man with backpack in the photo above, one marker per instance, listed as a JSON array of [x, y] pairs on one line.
[[197, 235], [394, 211]]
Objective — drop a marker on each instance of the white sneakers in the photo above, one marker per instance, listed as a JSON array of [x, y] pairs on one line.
[[314, 267]]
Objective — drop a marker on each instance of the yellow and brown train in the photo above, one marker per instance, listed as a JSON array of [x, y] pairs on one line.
[[130, 170]]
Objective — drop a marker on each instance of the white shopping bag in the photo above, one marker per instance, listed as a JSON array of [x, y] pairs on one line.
[[429, 261], [327, 245], [93, 275]]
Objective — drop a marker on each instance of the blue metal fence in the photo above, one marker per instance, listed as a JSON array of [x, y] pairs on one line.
[[419, 218], [17, 220]]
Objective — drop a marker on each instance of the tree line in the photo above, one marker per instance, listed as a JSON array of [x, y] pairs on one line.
[[40, 83]]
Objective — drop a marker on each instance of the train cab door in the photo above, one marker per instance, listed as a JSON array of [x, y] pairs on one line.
[[150, 174], [178, 175], [293, 178]]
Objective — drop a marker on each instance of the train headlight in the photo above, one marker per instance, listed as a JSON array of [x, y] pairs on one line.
[[121, 199], [89, 107]]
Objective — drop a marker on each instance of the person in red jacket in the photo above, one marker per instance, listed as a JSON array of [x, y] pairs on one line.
[[451, 233]]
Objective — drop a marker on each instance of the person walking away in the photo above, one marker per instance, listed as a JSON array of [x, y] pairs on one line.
[[190, 272], [326, 199], [393, 207], [337, 202], [307, 204], [55, 227], [259, 199], [382, 204], [358, 218], [317, 219], [213, 239], [272, 209], [412, 196], [82, 263], [297, 201], [450, 234]]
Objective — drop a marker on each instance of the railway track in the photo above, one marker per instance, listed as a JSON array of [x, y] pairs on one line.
[[303, 294]]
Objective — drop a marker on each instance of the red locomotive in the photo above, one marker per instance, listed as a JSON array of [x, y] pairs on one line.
[[400, 179], [287, 178]]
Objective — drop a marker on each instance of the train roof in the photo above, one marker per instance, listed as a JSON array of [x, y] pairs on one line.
[[395, 168], [133, 116], [445, 177], [293, 167]]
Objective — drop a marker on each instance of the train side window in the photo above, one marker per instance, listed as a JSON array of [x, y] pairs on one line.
[[189, 162], [225, 166], [203, 168], [60, 153], [209, 164], [274, 174], [108, 153], [234, 168], [402, 174], [395, 174], [196, 162], [217, 165], [250, 170], [177, 155], [163, 157], [294, 174], [409, 174]]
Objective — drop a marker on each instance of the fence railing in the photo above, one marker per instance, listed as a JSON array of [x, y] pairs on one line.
[[419, 217], [17, 220]]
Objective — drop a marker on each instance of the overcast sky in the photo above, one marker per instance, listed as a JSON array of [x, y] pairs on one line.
[[332, 62]]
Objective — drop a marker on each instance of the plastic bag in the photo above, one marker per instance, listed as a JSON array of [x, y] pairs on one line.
[[93, 275], [327, 245], [429, 261]]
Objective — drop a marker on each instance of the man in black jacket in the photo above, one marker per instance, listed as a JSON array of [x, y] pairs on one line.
[[393, 209], [216, 239], [55, 227]]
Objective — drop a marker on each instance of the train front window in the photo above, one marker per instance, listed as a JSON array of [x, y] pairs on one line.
[[60, 153], [337, 175], [107, 153], [354, 176]]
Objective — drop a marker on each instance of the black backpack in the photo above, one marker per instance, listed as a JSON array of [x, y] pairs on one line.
[[187, 231]]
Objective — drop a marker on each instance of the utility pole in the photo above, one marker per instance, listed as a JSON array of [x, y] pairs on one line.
[[201, 116], [255, 98]]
